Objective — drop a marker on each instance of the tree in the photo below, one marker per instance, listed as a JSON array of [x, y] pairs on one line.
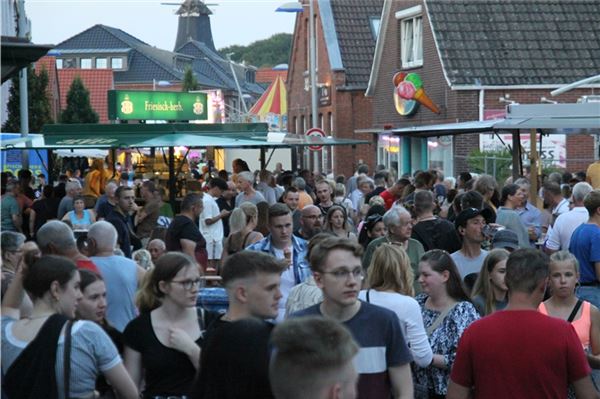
[[262, 53], [79, 109], [38, 102], [189, 81]]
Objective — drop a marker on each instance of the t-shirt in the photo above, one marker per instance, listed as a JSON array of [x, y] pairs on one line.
[[532, 363], [66, 205], [437, 234], [585, 245], [559, 236], [213, 232], [120, 222], [379, 336], [120, 276], [467, 265], [92, 351], [388, 199], [45, 209], [479, 303], [255, 198], [183, 227], [8, 207], [510, 219], [167, 371]]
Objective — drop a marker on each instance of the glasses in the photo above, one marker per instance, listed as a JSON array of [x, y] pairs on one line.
[[189, 284], [315, 217], [344, 274]]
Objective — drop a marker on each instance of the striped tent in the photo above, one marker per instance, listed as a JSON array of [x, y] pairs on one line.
[[271, 107]]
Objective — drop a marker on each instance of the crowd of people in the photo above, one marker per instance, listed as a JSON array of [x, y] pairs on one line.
[[370, 286]]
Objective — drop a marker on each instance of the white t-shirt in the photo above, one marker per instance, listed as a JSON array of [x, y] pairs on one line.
[[214, 232], [559, 236], [288, 281], [466, 265]]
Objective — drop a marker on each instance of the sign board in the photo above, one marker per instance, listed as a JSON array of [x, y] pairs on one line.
[[324, 93], [156, 105], [10, 160], [315, 132]]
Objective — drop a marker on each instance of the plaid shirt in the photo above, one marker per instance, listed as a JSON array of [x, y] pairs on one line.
[[300, 247]]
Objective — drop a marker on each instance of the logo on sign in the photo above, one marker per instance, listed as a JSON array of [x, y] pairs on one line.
[[315, 132]]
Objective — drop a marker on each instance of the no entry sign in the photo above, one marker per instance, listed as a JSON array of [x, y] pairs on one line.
[[315, 132]]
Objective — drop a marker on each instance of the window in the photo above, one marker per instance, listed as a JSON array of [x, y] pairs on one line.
[[411, 36], [116, 63], [69, 63], [86, 63], [101, 63], [59, 63], [375, 23]]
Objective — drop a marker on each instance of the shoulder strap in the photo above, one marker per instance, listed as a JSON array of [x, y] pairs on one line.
[[245, 239], [575, 310], [67, 358], [439, 320], [368, 299]]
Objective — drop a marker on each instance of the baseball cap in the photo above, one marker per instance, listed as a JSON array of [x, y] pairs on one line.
[[470, 213], [505, 239]]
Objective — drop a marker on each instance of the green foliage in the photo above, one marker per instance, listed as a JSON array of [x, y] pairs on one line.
[[262, 53], [38, 103], [494, 163], [189, 81], [79, 109]]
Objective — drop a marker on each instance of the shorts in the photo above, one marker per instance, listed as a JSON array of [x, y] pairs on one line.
[[214, 248]]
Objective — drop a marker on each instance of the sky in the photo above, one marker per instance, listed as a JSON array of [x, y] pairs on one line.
[[233, 21]]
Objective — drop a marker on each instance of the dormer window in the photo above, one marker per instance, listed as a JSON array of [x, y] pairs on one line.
[[411, 36], [116, 62], [250, 76]]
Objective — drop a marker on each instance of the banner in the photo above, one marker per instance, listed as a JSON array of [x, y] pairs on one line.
[[156, 105]]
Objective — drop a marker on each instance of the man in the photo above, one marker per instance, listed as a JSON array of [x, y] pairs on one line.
[[528, 213], [469, 225], [226, 202], [120, 217], [384, 359], [559, 237], [73, 189], [398, 223], [183, 235], [593, 174], [304, 198], [585, 245], [211, 221], [282, 244], [380, 181], [11, 218], [313, 359], [553, 197], [519, 352], [147, 217], [324, 196], [352, 183], [311, 222], [430, 230], [423, 182], [246, 189], [505, 239], [107, 201], [56, 238], [156, 248], [264, 186], [121, 275], [291, 198], [394, 193]]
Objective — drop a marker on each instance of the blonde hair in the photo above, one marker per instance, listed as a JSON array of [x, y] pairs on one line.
[[241, 216], [390, 270], [483, 285], [143, 258]]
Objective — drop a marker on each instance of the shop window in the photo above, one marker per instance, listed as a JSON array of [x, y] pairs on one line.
[[101, 63], [411, 37]]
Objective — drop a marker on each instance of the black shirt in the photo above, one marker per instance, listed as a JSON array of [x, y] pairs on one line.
[[437, 234], [45, 209], [120, 221], [228, 206]]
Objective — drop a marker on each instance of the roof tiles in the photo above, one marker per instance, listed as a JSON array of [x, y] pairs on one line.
[[97, 81]]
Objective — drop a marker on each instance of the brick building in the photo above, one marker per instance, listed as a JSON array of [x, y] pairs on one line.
[[346, 33], [473, 58]]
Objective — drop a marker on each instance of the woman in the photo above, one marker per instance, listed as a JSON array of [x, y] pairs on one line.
[[512, 197], [336, 221], [564, 304], [92, 307], [37, 343], [242, 223], [487, 186], [95, 180], [143, 258], [162, 345], [80, 218], [447, 313], [390, 279], [490, 292], [372, 228]]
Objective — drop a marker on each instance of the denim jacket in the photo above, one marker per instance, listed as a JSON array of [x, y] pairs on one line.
[[300, 247]]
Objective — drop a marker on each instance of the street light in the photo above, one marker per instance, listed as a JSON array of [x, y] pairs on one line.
[[312, 45]]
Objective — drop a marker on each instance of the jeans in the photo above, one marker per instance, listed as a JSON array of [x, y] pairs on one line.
[[590, 294]]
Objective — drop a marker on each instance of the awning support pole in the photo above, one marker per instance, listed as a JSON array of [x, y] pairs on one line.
[[262, 158], [172, 183], [50, 167], [533, 163], [516, 155], [271, 156]]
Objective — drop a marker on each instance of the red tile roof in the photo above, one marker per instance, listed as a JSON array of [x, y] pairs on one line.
[[268, 75], [49, 64], [97, 81]]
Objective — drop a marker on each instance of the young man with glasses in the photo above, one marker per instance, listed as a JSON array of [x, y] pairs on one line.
[[383, 361]]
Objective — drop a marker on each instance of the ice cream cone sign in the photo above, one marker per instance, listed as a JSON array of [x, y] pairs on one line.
[[409, 87]]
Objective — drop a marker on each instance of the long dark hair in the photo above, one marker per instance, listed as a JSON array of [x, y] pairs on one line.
[[440, 261], [44, 271]]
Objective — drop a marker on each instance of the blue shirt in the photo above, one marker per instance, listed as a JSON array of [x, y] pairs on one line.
[[531, 216], [585, 245], [300, 247]]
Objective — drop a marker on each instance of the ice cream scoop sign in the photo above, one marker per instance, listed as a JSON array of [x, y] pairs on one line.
[[409, 93]]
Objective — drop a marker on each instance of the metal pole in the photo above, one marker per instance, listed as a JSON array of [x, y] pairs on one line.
[[313, 73], [23, 101]]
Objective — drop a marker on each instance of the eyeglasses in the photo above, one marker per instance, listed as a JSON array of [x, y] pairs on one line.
[[313, 217], [189, 284], [344, 274]]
